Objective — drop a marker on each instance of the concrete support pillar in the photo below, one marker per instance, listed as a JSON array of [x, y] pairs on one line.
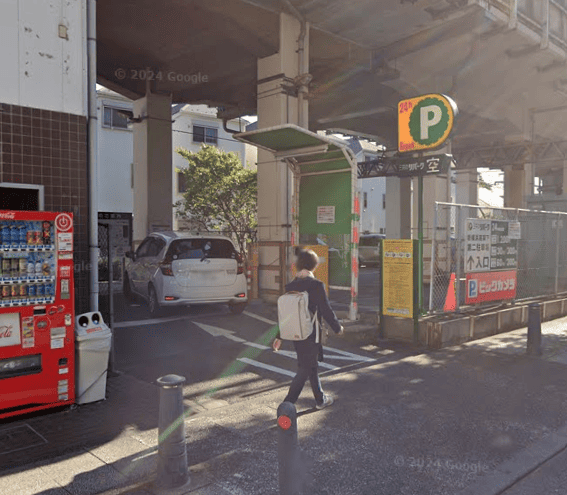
[[398, 208], [278, 104], [564, 183], [153, 194], [467, 186], [514, 188]]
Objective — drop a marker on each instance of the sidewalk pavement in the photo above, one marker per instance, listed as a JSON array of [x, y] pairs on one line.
[[481, 418]]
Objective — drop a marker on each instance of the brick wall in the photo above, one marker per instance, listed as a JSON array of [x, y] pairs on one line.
[[50, 149]]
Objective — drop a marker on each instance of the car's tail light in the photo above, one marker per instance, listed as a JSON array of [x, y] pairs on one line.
[[242, 294], [166, 269], [240, 261]]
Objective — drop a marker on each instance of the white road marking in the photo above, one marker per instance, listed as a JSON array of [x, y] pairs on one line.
[[261, 318], [218, 332], [348, 354], [155, 321], [293, 355], [258, 364]]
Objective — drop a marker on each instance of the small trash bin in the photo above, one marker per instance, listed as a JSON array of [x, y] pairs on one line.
[[92, 349]]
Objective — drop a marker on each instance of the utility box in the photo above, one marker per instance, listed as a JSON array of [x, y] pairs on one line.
[[93, 339]]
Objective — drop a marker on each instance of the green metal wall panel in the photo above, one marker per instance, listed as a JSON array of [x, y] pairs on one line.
[[328, 190]]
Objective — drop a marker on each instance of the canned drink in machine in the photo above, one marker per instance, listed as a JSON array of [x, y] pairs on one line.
[[6, 292]]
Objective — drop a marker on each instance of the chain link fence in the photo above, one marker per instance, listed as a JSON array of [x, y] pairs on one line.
[[535, 247]]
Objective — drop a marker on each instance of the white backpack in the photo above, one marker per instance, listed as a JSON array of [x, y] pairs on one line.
[[294, 319]]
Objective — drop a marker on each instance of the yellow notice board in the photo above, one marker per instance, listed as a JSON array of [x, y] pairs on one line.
[[397, 289], [322, 270]]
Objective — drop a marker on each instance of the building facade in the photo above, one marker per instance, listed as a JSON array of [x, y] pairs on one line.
[[43, 117], [193, 126]]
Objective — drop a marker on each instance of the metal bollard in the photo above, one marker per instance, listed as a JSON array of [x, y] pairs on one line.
[[534, 330], [288, 449], [172, 452]]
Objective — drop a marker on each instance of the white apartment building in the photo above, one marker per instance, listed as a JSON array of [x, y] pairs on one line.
[[193, 126], [372, 191]]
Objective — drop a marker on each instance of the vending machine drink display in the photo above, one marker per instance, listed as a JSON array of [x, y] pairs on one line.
[[37, 343]]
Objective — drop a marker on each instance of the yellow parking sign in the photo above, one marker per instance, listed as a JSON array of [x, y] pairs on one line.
[[397, 290], [425, 122]]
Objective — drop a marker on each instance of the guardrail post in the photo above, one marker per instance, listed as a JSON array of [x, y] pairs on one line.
[[534, 330], [288, 449], [172, 452]]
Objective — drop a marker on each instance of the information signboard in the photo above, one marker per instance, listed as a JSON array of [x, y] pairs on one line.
[[503, 249], [397, 263], [490, 245], [477, 245]]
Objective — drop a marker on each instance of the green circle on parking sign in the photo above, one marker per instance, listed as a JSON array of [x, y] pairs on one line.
[[429, 121]]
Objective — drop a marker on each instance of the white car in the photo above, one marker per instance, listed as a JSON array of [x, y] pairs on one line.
[[176, 268]]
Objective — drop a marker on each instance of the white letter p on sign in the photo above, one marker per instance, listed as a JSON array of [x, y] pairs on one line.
[[429, 116]]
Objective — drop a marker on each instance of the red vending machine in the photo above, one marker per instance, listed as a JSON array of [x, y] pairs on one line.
[[37, 342]]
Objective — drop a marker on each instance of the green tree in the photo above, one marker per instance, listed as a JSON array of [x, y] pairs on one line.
[[220, 195]]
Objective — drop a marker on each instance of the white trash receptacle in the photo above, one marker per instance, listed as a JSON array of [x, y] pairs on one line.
[[92, 349]]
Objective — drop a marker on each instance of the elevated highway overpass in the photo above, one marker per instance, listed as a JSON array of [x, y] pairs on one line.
[[342, 66], [502, 61]]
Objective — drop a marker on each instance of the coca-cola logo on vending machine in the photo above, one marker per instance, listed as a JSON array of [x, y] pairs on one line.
[[10, 331]]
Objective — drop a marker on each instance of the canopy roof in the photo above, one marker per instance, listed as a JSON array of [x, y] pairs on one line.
[[307, 151]]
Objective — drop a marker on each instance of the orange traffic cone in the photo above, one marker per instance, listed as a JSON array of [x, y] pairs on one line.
[[450, 300]]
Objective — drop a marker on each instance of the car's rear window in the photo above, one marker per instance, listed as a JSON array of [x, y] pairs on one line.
[[369, 241], [185, 249]]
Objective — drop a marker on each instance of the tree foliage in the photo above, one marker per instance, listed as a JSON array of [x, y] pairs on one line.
[[221, 195]]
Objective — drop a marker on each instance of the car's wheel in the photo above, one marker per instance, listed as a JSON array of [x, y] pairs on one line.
[[153, 303], [237, 309], [127, 290]]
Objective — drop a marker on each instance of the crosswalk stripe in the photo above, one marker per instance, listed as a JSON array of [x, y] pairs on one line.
[[349, 354], [260, 318], [258, 364], [293, 355]]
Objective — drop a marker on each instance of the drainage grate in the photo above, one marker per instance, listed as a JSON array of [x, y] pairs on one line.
[[19, 438]]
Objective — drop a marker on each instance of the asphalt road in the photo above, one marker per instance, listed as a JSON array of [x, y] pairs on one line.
[[223, 356]]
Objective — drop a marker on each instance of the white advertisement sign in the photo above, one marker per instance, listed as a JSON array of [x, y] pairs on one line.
[[514, 230], [325, 214], [477, 245], [10, 331]]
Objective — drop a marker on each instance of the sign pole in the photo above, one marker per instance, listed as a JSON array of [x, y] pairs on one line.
[[415, 299], [420, 238]]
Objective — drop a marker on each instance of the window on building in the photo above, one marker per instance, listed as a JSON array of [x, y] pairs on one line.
[[181, 182], [383, 201], [113, 118], [203, 134], [365, 200]]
